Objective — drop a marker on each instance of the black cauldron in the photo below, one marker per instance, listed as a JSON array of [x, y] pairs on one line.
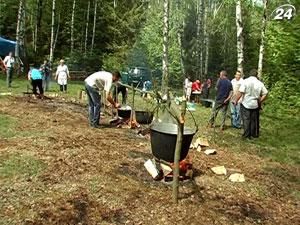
[[144, 117], [124, 113], [163, 141]]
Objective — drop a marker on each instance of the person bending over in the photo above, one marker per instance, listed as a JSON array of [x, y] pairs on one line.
[[94, 85]]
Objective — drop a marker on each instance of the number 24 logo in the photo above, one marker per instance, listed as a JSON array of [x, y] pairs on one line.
[[284, 12]]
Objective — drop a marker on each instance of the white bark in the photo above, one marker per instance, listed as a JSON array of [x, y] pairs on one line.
[[240, 38], [180, 22], [262, 44], [206, 39], [199, 61], [94, 26], [165, 63], [72, 25], [87, 27], [20, 32], [52, 33]]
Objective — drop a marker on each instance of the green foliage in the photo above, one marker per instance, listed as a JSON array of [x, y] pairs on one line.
[[282, 63]]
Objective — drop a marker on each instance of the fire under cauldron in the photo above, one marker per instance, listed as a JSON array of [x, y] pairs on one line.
[[163, 141]]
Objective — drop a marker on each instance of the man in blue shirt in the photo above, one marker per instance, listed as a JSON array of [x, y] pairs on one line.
[[36, 77], [224, 93]]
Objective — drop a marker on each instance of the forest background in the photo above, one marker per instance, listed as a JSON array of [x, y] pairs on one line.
[[118, 34]]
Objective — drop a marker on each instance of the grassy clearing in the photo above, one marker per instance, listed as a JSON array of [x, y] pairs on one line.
[[279, 134], [19, 165]]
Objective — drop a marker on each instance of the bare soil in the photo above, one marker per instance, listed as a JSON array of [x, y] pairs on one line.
[[96, 176]]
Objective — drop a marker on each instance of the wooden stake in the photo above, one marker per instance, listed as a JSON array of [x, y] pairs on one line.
[[180, 130], [132, 108]]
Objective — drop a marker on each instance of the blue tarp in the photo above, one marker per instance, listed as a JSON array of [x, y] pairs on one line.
[[6, 46]]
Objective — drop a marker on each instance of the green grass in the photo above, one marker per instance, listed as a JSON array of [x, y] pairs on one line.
[[17, 165], [7, 128]]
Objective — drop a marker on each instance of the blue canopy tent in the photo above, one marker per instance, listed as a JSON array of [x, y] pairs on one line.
[[6, 46]]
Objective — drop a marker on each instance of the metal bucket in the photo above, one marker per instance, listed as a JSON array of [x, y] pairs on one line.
[[144, 117], [163, 141]]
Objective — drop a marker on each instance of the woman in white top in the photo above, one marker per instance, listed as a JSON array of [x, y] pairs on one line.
[[62, 74], [188, 88]]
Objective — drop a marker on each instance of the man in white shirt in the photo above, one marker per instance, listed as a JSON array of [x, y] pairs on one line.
[[9, 62], [253, 93], [94, 85], [235, 108]]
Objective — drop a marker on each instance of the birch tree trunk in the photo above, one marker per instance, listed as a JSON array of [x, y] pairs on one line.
[[206, 40], [87, 27], [199, 61], [240, 38], [52, 33], [72, 25], [165, 63], [94, 26], [262, 44], [180, 21], [20, 32]]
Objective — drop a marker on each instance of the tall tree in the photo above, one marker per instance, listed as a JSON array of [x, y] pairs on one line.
[[206, 39], [87, 27], [165, 61], [262, 44], [20, 28], [52, 32], [199, 39], [94, 25], [180, 27], [240, 38], [72, 25]]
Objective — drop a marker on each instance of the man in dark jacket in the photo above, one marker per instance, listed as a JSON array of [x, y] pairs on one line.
[[224, 93]]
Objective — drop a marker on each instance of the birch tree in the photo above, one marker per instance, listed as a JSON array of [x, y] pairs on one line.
[[199, 61], [262, 44], [72, 25], [240, 38], [20, 32], [180, 23], [87, 26], [52, 32], [206, 39], [94, 25], [165, 63]]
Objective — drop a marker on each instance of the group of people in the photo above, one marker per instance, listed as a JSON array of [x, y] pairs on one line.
[[195, 88], [244, 96], [40, 76]]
